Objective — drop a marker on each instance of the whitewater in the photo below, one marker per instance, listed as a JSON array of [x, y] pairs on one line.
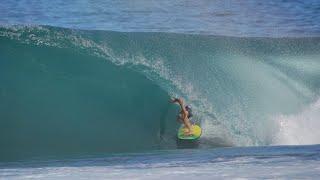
[[91, 100]]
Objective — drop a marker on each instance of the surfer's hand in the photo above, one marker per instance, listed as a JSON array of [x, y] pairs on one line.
[[173, 100]]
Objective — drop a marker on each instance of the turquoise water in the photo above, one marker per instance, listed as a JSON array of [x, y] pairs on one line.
[[85, 92], [52, 103], [85, 89]]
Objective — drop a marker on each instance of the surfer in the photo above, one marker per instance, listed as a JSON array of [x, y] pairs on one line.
[[184, 114]]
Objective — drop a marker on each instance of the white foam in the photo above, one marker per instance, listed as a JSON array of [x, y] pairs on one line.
[[299, 129], [229, 168]]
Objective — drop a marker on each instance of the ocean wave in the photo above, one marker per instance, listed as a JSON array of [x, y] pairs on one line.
[[95, 91]]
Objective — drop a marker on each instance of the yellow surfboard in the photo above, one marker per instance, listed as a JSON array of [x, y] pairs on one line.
[[196, 132]]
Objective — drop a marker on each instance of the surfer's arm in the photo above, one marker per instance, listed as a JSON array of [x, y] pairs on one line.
[[174, 100], [182, 106], [184, 112]]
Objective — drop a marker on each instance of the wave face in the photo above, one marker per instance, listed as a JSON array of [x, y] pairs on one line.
[[59, 100], [66, 91]]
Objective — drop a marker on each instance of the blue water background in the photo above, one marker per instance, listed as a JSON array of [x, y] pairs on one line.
[[274, 18]]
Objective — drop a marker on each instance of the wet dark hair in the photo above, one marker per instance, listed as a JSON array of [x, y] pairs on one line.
[[188, 108]]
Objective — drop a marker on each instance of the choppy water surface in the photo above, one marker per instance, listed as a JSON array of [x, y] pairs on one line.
[[284, 162], [272, 18]]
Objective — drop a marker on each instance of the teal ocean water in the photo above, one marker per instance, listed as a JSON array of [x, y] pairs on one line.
[[75, 91], [84, 91]]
